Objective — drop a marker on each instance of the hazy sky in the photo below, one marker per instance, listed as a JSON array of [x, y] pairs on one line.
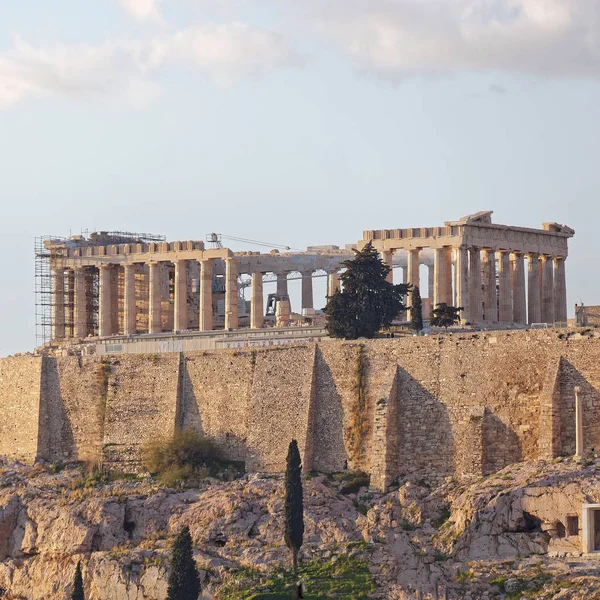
[[293, 121]]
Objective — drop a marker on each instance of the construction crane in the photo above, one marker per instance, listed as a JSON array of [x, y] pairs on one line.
[[216, 240]]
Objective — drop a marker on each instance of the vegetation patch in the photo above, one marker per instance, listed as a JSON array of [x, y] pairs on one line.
[[352, 481], [342, 576], [187, 456], [357, 429]]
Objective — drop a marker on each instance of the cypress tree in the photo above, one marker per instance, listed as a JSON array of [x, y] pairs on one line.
[[184, 582], [77, 593], [416, 310], [445, 315], [294, 509], [368, 300]]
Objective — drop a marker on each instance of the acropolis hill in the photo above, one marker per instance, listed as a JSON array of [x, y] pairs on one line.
[[468, 404], [495, 424]]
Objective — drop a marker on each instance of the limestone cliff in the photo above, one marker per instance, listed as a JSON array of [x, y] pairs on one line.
[[493, 536]]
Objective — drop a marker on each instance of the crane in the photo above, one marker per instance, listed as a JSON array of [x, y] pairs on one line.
[[216, 240]]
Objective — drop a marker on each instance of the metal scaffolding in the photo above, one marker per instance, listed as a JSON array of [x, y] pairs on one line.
[[44, 290], [45, 297]]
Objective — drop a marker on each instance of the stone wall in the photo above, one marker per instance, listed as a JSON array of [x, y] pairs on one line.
[[587, 315], [73, 400], [141, 403], [464, 404], [281, 409], [216, 391], [20, 386]]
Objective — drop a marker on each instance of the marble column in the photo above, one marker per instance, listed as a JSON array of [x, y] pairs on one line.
[[129, 315], [58, 308], [412, 272], [517, 281], [180, 309], [475, 285], [461, 270], [490, 302], [560, 290], [80, 311], [282, 283], [534, 309], [307, 290], [257, 316], [448, 280], [387, 257], [206, 299], [547, 289], [333, 283], [443, 276], [231, 294], [105, 297], [154, 299], [430, 282], [505, 309]]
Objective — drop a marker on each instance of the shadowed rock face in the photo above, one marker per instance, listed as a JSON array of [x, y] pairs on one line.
[[507, 523]]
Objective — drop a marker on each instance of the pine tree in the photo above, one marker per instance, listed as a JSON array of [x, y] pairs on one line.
[[368, 301], [445, 315], [77, 593], [416, 310], [294, 509], [184, 582]]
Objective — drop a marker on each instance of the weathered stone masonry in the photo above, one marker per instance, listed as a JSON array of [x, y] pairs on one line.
[[465, 404]]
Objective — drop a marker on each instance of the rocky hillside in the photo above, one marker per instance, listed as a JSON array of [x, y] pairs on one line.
[[495, 537]]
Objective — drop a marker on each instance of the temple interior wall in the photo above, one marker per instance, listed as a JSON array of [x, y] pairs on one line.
[[458, 404]]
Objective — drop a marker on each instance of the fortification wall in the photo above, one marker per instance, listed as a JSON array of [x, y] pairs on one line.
[[142, 402], [281, 409], [20, 385], [467, 404], [73, 404], [216, 390]]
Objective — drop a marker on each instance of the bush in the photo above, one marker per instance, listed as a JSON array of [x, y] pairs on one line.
[[185, 456], [354, 482]]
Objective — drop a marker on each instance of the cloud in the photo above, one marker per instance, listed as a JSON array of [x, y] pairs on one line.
[[143, 9], [126, 71], [399, 38], [228, 52], [115, 71]]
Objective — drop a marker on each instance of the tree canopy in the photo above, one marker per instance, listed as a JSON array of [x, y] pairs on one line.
[[416, 310], [294, 506], [184, 582], [445, 315], [78, 593], [368, 301]]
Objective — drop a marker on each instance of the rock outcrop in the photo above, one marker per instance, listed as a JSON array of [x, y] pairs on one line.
[[479, 539]]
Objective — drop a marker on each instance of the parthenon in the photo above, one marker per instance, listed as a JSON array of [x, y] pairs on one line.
[[109, 284], [480, 266]]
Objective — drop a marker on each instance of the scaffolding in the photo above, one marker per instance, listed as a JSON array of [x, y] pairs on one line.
[[44, 290], [45, 297]]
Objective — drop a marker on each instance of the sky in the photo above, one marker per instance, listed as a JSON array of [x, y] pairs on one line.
[[296, 123]]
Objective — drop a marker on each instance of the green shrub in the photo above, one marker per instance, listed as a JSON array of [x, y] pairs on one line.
[[185, 456], [354, 482]]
